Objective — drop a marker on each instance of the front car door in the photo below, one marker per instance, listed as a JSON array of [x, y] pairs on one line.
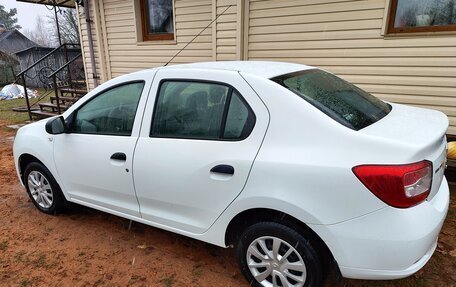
[[200, 135], [94, 160]]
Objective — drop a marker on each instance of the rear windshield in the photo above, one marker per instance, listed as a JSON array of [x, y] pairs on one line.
[[340, 100]]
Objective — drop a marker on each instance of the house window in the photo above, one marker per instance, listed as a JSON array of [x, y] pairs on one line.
[[157, 20], [422, 16]]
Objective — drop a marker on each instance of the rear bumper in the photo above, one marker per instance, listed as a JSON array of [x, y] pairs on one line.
[[358, 273], [389, 243]]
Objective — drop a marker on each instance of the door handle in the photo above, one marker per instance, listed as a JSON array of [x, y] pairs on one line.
[[119, 156], [223, 168]]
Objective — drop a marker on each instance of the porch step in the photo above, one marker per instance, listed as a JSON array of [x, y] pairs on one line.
[[78, 82], [43, 114], [73, 91], [65, 100], [52, 106]]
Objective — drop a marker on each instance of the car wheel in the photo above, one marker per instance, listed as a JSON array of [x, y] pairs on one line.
[[43, 190], [272, 254]]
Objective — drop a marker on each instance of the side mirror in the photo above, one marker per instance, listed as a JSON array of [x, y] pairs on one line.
[[56, 126]]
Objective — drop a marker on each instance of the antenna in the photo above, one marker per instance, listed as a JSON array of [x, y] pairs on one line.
[[178, 52]]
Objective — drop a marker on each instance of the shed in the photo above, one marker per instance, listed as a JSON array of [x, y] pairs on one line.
[[12, 41], [38, 75]]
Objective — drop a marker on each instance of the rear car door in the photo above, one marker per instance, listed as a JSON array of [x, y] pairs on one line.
[[200, 135]]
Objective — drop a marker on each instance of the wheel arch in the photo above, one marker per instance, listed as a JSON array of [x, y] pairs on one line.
[[24, 160], [248, 217]]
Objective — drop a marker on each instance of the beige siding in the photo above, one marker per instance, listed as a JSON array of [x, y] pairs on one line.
[[345, 37], [97, 45], [226, 30], [127, 55]]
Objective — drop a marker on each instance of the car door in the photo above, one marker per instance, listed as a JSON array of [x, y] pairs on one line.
[[200, 135], [94, 160]]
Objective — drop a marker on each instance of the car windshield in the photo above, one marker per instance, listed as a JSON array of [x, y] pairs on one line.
[[340, 100]]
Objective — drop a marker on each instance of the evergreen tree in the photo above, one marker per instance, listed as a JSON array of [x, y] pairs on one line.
[[8, 18]]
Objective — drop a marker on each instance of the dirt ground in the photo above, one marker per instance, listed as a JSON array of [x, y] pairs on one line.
[[90, 248]]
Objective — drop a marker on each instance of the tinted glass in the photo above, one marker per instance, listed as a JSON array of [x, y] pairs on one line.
[[189, 110], [342, 101], [239, 120], [111, 112]]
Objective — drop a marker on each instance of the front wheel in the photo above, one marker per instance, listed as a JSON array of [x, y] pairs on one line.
[[43, 189], [272, 254]]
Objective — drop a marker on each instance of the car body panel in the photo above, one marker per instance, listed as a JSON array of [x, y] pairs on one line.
[[42, 148], [421, 131], [389, 243], [186, 195], [107, 182]]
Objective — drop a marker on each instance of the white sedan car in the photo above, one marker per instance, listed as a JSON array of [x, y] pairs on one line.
[[294, 167]]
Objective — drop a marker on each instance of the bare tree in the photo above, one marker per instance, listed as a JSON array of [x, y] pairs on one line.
[[40, 34], [68, 23]]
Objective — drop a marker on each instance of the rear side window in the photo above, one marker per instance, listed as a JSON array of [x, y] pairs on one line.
[[239, 121], [340, 100], [201, 110]]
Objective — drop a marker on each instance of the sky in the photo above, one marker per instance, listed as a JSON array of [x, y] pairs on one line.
[[27, 12]]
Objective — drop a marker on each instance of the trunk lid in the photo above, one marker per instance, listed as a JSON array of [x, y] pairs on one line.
[[422, 131]]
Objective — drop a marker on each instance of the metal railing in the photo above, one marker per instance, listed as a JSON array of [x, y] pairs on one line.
[[22, 74], [54, 79]]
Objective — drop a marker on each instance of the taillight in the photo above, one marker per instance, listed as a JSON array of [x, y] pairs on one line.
[[400, 186]]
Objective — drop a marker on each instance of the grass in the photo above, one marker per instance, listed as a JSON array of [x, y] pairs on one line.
[[3, 245], [168, 281], [41, 260], [11, 117], [197, 271], [136, 278]]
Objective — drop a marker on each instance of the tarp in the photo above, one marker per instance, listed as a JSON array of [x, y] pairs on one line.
[[14, 91]]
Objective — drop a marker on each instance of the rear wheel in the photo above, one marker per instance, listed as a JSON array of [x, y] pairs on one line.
[[43, 190], [272, 254]]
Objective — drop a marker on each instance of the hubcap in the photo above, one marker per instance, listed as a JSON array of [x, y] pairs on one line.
[[273, 262], [40, 189]]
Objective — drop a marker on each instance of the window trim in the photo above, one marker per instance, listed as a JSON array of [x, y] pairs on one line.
[[70, 120], [392, 30], [146, 36], [231, 90]]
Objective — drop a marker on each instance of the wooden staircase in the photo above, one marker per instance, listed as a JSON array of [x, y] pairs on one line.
[[56, 71], [66, 98]]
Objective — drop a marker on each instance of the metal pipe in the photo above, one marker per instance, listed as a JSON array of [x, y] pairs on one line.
[[89, 36], [26, 97], [57, 23], [56, 91]]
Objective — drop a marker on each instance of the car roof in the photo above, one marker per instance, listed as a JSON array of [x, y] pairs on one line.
[[265, 69]]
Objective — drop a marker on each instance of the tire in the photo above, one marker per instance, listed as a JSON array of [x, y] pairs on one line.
[[264, 268], [43, 189]]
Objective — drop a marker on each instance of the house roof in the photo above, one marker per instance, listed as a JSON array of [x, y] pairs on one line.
[[12, 41], [59, 3], [266, 69]]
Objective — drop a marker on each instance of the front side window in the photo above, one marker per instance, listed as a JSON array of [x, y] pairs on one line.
[[110, 113], [157, 19], [340, 100], [199, 110], [422, 16]]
